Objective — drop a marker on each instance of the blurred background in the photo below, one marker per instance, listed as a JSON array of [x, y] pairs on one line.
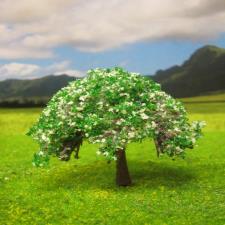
[[44, 44]]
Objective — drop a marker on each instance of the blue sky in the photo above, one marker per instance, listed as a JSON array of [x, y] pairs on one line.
[[142, 57], [71, 36]]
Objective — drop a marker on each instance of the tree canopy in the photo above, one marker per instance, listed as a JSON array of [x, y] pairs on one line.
[[112, 107]]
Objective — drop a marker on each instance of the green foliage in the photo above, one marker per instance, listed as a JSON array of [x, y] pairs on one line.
[[41, 159], [112, 107], [190, 191]]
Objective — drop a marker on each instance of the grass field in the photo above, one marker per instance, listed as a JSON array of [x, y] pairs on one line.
[[190, 191], [215, 97]]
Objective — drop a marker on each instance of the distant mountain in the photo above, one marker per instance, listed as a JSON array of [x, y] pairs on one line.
[[202, 73], [31, 92]]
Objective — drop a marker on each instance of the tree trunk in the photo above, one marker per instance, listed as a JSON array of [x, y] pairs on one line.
[[157, 146], [122, 173]]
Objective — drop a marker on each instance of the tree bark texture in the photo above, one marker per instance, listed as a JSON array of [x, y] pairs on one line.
[[69, 146], [122, 173]]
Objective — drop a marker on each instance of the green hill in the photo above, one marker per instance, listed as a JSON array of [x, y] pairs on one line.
[[201, 74], [31, 92]]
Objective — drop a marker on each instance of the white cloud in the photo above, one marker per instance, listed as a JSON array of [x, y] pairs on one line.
[[57, 66], [33, 28], [17, 69], [30, 10], [29, 71], [7, 52], [74, 73]]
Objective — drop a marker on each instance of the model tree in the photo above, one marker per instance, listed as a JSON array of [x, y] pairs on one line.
[[113, 107]]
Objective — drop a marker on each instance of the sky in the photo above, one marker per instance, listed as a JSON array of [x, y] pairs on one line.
[[42, 37]]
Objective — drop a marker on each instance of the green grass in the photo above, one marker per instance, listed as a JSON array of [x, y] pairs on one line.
[[214, 97], [190, 191]]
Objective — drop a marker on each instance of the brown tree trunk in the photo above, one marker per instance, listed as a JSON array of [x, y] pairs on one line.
[[157, 146], [122, 173]]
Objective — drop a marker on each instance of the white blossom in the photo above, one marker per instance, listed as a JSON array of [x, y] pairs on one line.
[[46, 112], [154, 125], [105, 153], [98, 153], [44, 138], [41, 153], [82, 98], [131, 134], [70, 103], [144, 116], [176, 129]]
